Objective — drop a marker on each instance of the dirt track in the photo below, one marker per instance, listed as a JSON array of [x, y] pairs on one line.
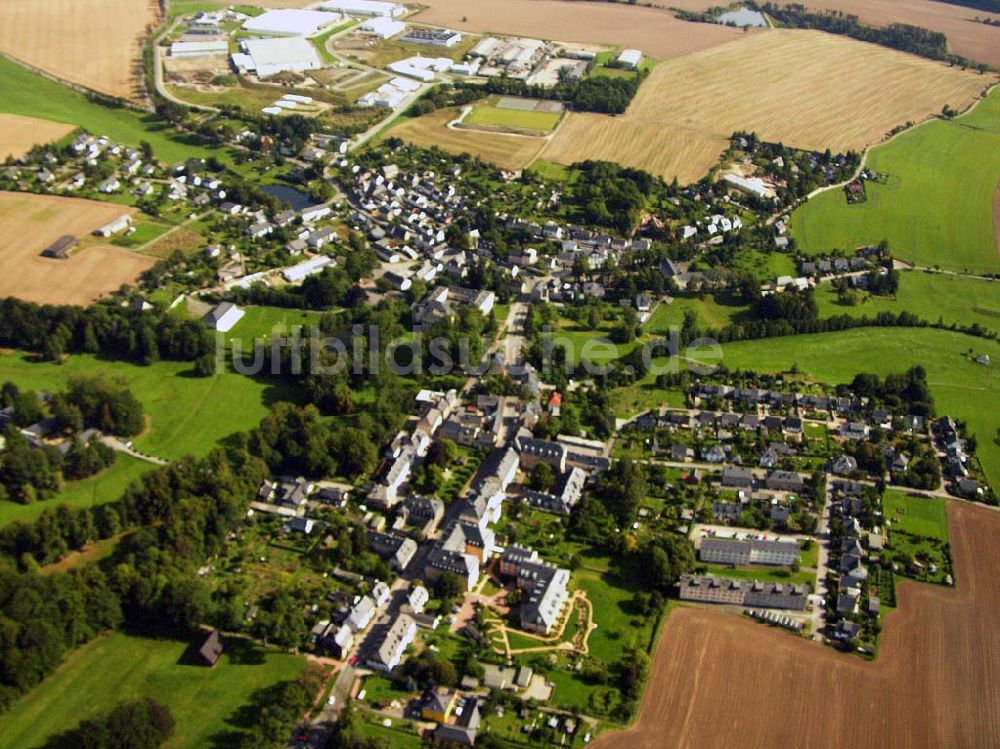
[[719, 680]]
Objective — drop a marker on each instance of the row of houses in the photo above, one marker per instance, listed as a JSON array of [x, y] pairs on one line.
[[728, 591]]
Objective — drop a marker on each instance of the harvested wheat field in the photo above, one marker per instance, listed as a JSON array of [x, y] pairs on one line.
[[721, 680], [804, 88], [506, 151], [663, 149], [966, 37], [655, 31], [30, 223], [93, 43], [18, 134]]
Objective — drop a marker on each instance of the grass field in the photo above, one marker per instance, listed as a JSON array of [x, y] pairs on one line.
[[31, 95], [18, 134], [116, 667], [30, 223], [921, 516], [107, 486], [932, 296], [678, 121], [187, 414], [94, 43], [261, 322], [487, 114], [961, 388], [937, 206], [506, 151]]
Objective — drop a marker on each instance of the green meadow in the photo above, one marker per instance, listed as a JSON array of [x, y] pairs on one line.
[[203, 701], [961, 388], [187, 414], [936, 207], [107, 486], [930, 296], [920, 516], [25, 93], [486, 114]]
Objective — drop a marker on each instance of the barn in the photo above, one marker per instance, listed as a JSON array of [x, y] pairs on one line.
[[199, 48], [222, 317]]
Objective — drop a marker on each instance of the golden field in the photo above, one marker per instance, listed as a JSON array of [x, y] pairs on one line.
[[18, 134], [93, 43], [804, 88], [506, 151], [653, 30], [30, 223]]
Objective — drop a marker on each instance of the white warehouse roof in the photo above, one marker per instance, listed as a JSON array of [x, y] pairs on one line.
[[199, 49], [272, 56], [291, 22], [630, 57], [383, 27], [366, 7]]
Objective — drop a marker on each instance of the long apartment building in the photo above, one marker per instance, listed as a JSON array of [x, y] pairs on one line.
[[724, 590], [748, 551]]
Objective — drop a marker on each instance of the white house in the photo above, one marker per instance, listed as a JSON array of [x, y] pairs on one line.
[[630, 58], [291, 22]]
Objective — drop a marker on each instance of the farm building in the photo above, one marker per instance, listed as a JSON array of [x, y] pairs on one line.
[[753, 185], [433, 37], [630, 58], [269, 56], [405, 84], [199, 49], [387, 95], [118, 225], [383, 27], [222, 317], [312, 266], [291, 22], [61, 247], [366, 8], [485, 47], [421, 68]]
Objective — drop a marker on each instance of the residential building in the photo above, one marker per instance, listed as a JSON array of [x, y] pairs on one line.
[[741, 552]]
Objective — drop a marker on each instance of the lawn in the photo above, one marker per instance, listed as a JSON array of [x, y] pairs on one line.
[[23, 92], [261, 322], [935, 208], [116, 667], [486, 114], [107, 486], [187, 414], [763, 573], [961, 388], [931, 296], [617, 627], [920, 516]]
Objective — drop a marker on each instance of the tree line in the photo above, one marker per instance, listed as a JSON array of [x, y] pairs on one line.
[[108, 330]]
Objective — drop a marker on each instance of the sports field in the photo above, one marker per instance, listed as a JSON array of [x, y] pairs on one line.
[[961, 388], [116, 667], [931, 296], [187, 415], [933, 684], [653, 30], [31, 95], [93, 43], [30, 223], [504, 150], [785, 92], [18, 134], [937, 207], [499, 113]]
